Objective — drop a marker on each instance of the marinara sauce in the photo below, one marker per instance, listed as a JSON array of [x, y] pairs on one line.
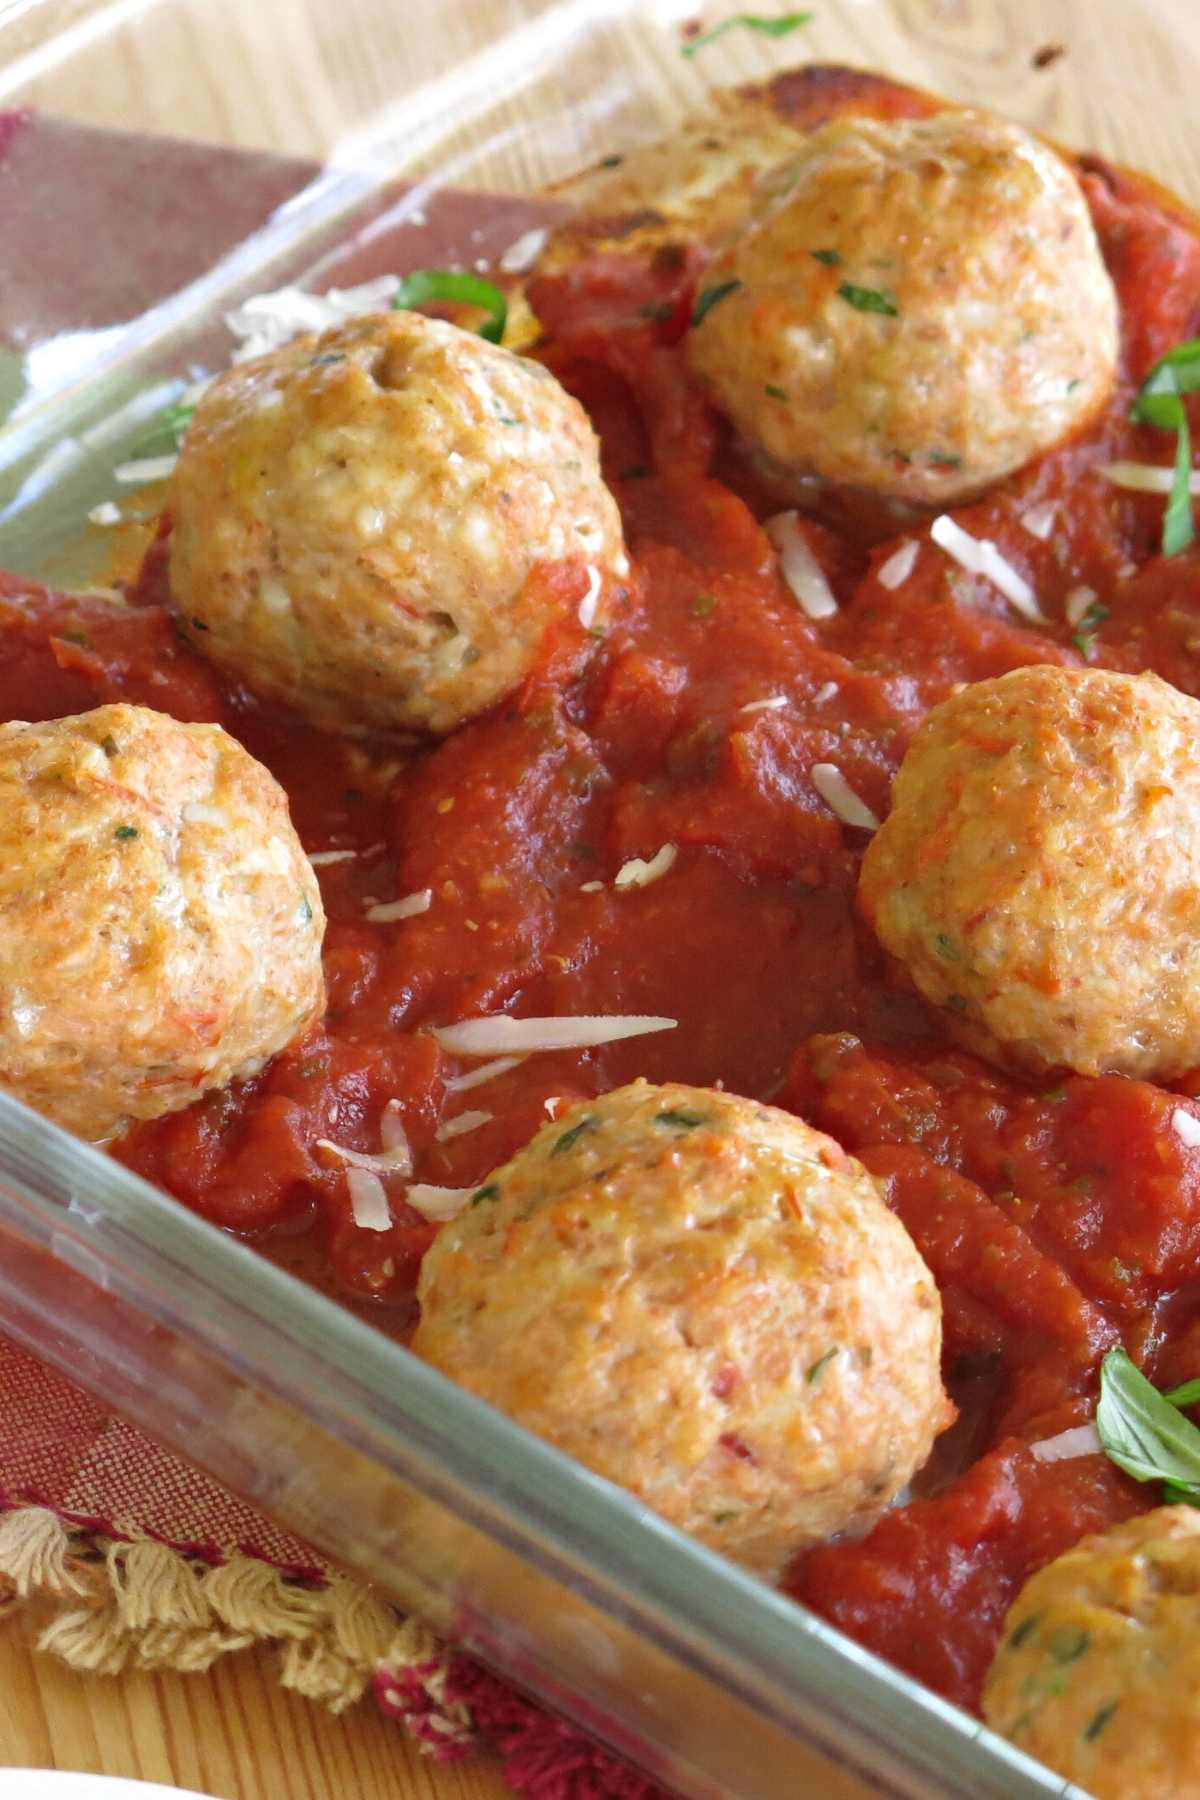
[[1057, 1219]]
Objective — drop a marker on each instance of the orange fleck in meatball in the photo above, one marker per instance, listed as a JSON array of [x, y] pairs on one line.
[[160, 925], [917, 307], [359, 519], [706, 1301], [1039, 873], [1098, 1673]]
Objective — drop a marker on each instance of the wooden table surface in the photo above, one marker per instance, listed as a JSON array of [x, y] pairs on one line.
[[1122, 84]]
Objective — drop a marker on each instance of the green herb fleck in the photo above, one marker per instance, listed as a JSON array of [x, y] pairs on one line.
[[831, 258], [1160, 402], [635, 472], [814, 1373], [723, 1518], [776, 393], [1085, 637], [869, 300], [947, 947], [425, 285], [1099, 1720], [1068, 1643], [944, 459], [611, 162], [711, 297], [125, 831], [682, 1118], [79, 638], [776, 27], [1054, 1095], [1022, 1633], [1186, 1394], [490, 1192], [658, 310], [956, 1003], [703, 605], [572, 1137]]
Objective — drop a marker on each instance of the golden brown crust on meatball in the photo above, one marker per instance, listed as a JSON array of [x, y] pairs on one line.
[[1039, 872], [921, 307], [160, 925], [359, 519], [706, 1301], [1098, 1673]]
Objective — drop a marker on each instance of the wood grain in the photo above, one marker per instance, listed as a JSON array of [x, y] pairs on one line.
[[196, 68], [233, 1733]]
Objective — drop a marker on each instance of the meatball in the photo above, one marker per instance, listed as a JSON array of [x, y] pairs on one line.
[[917, 307], [1099, 1670], [1039, 874], [706, 1301], [362, 523], [160, 926]]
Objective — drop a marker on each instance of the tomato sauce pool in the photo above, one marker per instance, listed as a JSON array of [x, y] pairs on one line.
[[1057, 1220]]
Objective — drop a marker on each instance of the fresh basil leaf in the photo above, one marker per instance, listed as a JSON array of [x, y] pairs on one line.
[[1178, 525], [1141, 1431], [1186, 1394], [769, 27], [423, 285], [1159, 402]]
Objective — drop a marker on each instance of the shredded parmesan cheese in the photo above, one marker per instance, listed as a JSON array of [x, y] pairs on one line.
[[1186, 1127], [145, 469], [1038, 521], [1077, 603], [392, 1134], [199, 812], [461, 1124], [389, 910], [771, 705], [265, 322], [368, 1200], [500, 1032], [979, 556], [587, 606], [438, 1203], [638, 873], [825, 692], [394, 1161], [524, 251], [841, 798], [591, 887], [107, 513], [1080, 1440], [899, 565], [323, 859], [488, 1071], [1145, 478], [799, 567]]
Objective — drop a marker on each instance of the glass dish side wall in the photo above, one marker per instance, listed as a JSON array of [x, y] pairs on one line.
[[716, 1684]]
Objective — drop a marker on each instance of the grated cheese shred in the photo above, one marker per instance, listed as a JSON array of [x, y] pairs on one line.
[[500, 1032], [979, 556], [388, 911], [638, 873], [841, 798], [799, 567], [900, 564]]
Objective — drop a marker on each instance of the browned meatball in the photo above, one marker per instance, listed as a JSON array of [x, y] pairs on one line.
[[917, 307], [705, 1300], [1039, 873], [1098, 1673], [160, 925], [362, 522]]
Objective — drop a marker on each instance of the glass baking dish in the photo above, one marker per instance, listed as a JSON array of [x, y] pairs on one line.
[[337, 139]]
